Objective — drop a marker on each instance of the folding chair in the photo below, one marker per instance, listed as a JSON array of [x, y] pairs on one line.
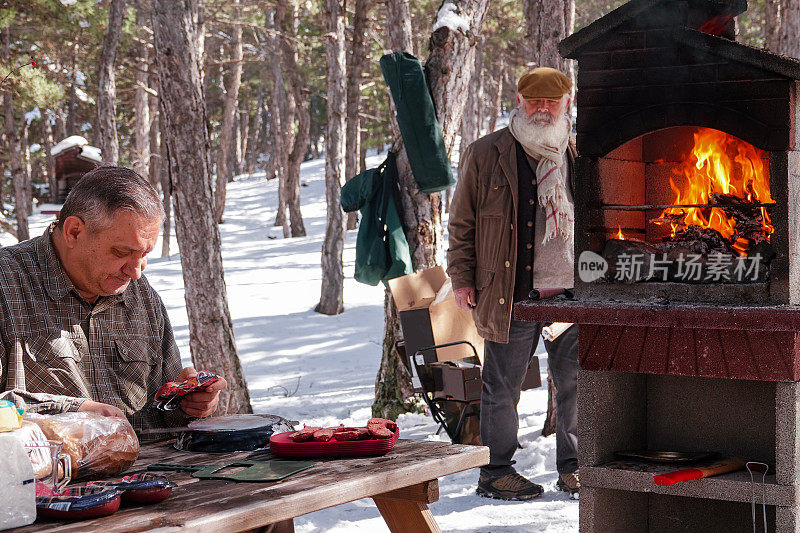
[[437, 406]]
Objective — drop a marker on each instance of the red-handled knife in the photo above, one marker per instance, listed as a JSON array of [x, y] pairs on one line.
[[731, 464]]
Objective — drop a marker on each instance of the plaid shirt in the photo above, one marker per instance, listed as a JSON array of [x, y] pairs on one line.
[[48, 364]]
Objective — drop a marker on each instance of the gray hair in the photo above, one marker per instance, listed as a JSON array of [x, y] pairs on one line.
[[104, 191]]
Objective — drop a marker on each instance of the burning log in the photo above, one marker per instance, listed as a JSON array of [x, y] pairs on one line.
[[690, 261], [711, 238], [748, 216]]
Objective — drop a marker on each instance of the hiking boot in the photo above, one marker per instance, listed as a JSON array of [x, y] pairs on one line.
[[569, 483], [508, 487]]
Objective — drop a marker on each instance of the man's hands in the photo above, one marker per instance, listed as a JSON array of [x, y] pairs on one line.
[[201, 403], [103, 409], [465, 298]]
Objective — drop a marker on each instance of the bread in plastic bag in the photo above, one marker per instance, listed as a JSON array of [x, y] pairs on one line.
[[98, 445], [30, 434]]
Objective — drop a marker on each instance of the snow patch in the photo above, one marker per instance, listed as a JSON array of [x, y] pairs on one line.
[[70, 142], [91, 152], [449, 17]]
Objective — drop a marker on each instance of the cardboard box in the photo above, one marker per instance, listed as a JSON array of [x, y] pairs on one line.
[[428, 322], [456, 381], [533, 377]]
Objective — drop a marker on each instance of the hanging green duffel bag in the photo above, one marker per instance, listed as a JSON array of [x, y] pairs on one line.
[[416, 116]]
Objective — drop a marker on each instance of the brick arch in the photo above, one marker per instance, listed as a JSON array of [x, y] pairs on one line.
[[610, 134]]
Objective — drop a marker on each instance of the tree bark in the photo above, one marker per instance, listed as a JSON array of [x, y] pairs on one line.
[[14, 147], [72, 99], [497, 100], [47, 145], [549, 426], [772, 24], [547, 22], [226, 138], [251, 154], [141, 115], [470, 122], [782, 26], [27, 184], [106, 135], [300, 96], [166, 190], [242, 136], [448, 70], [183, 117], [399, 37], [279, 105], [355, 67], [331, 301]]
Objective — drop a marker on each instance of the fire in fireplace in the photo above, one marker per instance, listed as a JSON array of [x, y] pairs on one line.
[[717, 227]]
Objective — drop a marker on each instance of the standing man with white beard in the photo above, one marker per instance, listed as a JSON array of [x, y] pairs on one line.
[[511, 230]]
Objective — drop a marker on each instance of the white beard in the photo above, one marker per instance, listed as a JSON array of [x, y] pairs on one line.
[[530, 132]]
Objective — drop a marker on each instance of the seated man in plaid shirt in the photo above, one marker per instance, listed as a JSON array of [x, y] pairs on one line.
[[80, 328]]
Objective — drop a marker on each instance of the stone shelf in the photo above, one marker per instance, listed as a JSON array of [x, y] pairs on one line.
[[735, 486]]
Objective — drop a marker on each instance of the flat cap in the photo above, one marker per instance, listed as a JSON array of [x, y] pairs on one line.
[[544, 82]]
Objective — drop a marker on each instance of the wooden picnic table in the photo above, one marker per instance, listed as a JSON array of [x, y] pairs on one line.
[[401, 483]]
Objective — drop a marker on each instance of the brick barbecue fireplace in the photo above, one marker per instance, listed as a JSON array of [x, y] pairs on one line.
[[687, 283]]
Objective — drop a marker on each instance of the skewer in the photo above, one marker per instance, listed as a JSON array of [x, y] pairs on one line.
[[685, 206]]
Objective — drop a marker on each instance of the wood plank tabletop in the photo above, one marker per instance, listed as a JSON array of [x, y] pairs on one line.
[[223, 506]]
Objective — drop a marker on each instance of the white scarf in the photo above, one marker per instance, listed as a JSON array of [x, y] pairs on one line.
[[547, 144]]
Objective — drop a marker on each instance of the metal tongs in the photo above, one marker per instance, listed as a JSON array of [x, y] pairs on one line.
[[762, 468]]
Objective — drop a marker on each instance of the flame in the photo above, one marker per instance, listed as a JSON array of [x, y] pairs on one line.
[[620, 235], [724, 164]]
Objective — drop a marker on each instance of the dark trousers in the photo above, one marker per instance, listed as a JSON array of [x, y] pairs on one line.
[[503, 372]]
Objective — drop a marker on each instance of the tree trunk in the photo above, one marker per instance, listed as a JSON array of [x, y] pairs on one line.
[[549, 426], [300, 96], [155, 163], [166, 188], [782, 26], [72, 99], [399, 37], [267, 142], [27, 184], [224, 170], [772, 24], [470, 122], [106, 133], [47, 145], [14, 148], [355, 67], [280, 108], [546, 23], [242, 136], [183, 118], [141, 115], [61, 125], [331, 301], [158, 159], [251, 154], [448, 70], [497, 100]]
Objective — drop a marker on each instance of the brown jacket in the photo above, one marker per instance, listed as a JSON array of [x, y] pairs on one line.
[[483, 233]]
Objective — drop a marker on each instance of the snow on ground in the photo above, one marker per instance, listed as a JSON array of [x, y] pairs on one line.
[[320, 370]]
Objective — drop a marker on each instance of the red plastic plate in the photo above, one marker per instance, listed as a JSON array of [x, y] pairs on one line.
[[283, 445]]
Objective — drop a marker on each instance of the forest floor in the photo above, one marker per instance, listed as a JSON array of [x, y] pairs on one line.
[[320, 370]]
